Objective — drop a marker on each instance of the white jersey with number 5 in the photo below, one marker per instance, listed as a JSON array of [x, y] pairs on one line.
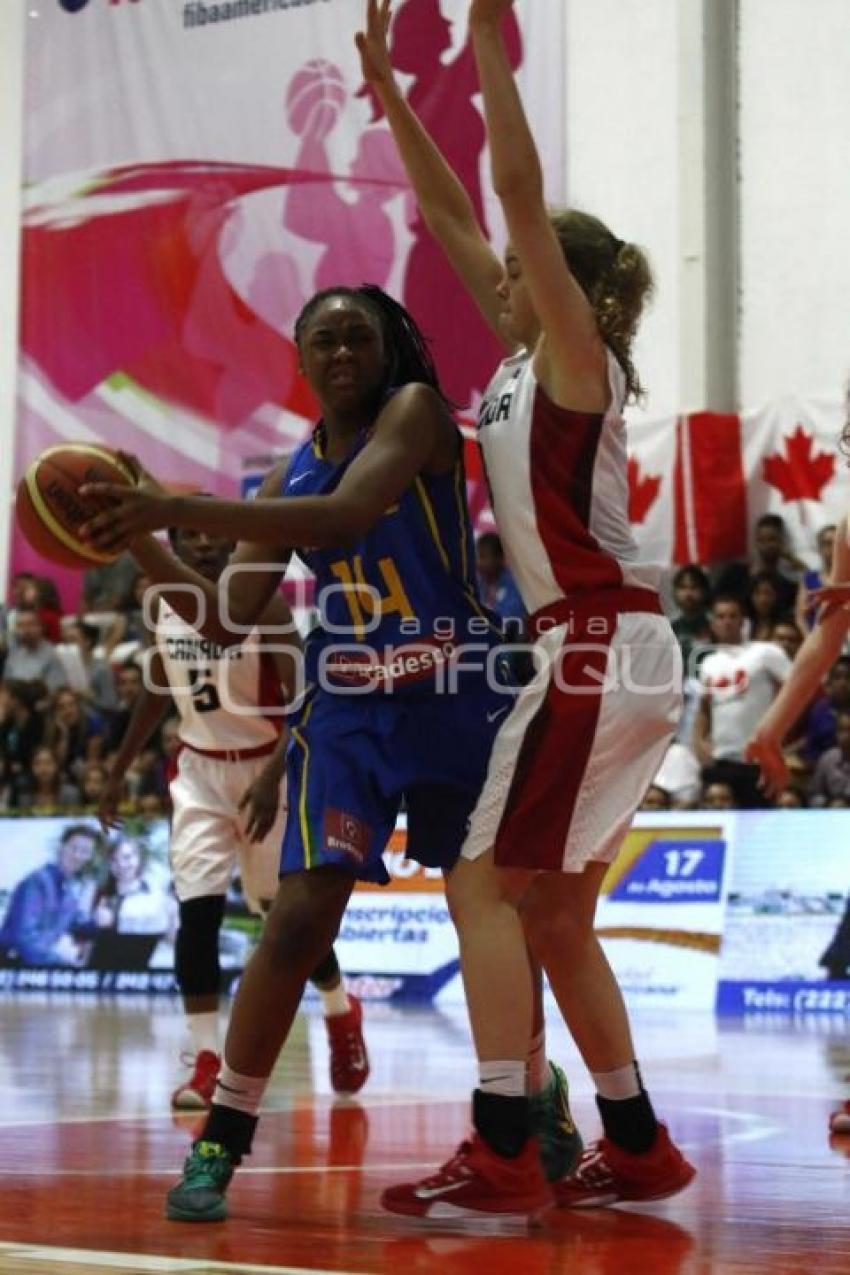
[[228, 698]]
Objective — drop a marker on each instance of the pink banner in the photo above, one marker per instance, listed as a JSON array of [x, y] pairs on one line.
[[194, 172]]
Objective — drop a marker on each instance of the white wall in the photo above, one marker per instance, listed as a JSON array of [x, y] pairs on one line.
[[623, 154], [795, 198], [13, 17]]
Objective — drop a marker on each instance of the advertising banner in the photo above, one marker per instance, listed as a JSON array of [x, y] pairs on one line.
[[194, 172], [82, 912], [786, 944]]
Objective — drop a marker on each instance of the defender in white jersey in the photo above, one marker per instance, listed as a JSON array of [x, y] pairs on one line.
[[228, 808], [585, 737]]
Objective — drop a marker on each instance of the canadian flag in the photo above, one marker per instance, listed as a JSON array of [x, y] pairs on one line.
[[699, 483]]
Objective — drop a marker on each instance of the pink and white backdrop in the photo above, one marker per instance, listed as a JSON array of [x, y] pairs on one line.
[[194, 171]]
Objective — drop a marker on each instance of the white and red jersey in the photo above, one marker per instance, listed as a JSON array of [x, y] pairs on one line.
[[742, 682], [559, 486], [228, 698]]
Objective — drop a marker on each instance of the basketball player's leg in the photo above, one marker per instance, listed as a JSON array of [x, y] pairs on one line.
[[259, 864], [626, 733], [202, 859]]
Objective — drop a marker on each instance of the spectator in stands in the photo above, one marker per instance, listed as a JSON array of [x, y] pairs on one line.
[[718, 796], [787, 635], [822, 717], [45, 921], [93, 780], [791, 799], [655, 799], [110, 587], [763, 606], [37, 593], [21, 731], [32, 658], [74, 732], [129, 630], [692, 595], [128, 685], [831, 780], [497, 586], [100, 692], [152, 805], [679, 775], [739, 681], [813, 579], [773, 557], [43, 790]]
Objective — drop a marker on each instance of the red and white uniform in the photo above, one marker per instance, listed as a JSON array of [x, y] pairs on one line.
[[587, 735], [226, 699]]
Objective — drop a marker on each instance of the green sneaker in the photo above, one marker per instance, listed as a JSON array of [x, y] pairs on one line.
[[551, 1122], [199, 1195]]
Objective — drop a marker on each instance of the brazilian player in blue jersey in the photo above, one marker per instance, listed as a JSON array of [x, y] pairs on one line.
[[404, 686]]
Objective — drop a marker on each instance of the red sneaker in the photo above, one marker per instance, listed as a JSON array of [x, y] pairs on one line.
[[197, 1092], [607, 1174], [476, 1180], [349, 1059], [839, 1121]]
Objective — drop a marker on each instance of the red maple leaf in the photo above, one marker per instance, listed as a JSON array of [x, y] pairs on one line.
[[798, 474], [643, 492]]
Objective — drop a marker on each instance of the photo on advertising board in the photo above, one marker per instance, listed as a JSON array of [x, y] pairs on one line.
[[786, 944], [80, 910]]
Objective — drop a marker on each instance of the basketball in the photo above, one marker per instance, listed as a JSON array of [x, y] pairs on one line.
[[314, 98], [48, 507]]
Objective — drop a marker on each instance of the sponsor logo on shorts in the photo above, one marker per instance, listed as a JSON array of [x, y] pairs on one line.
[[346, 834]]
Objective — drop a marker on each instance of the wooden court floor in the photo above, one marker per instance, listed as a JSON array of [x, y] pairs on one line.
[[89, 1148]]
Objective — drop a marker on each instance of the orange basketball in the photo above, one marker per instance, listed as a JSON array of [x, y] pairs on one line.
[[48, 505]]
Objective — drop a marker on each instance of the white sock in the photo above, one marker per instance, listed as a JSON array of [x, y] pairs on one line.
[[502, 1077], [335, 1001], [617, 1085], [242, 1093], [203, 1030], [537, 1072]]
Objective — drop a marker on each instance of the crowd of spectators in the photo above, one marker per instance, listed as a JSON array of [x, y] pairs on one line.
[[739, 628], [69, 684], [67, 690]]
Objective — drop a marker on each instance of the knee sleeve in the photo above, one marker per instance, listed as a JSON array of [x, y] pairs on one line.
[[327, 971], [196, 964]]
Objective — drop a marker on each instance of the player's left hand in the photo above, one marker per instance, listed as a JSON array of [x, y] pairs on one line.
[[260, 804], [492, 11], [766, 752], [128, 512]]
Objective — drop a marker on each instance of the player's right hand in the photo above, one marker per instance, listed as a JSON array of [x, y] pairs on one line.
[[260, 805], [765, 752], [107, 809], [373, 46]]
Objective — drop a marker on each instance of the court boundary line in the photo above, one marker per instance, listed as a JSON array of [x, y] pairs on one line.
[[150, 1262]]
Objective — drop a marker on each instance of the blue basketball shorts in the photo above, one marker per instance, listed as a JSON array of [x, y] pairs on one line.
[[352, 760]]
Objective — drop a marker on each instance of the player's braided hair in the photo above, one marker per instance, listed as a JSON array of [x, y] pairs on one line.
[[407, 347]]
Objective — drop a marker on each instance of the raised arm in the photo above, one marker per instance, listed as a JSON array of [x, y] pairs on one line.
[[815, 657], [445, 206], [571, 364]]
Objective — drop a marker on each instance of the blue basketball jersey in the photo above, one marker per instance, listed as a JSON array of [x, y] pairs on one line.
[[398, 604]]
